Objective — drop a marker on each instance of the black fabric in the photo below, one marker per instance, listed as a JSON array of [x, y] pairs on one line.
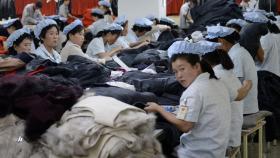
[[40, 102], [269, 99], [165, 36], [250, 37], [7, 9], [268, 5], [170, 137], [25, 57], [158, 84], [213, 12], [125, 95], [147, 57], [114, 6]]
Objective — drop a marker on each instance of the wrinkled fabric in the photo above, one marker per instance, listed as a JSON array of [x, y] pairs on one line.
[[158, 84], [268, 98], [250, 36], [125, 95], [212, 13], [78, 134]]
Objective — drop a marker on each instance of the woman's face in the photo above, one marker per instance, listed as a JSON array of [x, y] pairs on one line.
[[51, 37], [78, 38], [112, 38], [24, 46], [185, 73]]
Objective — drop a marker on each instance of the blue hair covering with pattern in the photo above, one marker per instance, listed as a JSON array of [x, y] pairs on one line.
[[41, 25], [218, 31], [143, 22], [121, 20], [199, 48], [104, 3], [9, 22], [71, 26], [255, 17], [239, 22], [15, 35], [97, 11]]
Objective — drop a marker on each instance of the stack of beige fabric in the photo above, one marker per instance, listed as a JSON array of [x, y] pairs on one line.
[[102, 127]]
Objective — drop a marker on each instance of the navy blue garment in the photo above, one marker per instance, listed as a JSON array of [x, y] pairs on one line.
[[250, 36], [213, 12], [269, 99]]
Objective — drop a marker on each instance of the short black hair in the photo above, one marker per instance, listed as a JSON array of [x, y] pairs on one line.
[[75, 30], [17, 42], [114, 32], [97, 15], [193, 59], [219, 57], [17, 24], [39, 4], [141, 29]]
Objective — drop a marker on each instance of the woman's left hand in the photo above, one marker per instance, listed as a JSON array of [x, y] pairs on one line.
[[152, 107]]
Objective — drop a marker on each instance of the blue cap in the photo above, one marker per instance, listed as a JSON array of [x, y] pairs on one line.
[[151, 17], [199, 48], [15, 35], [121, 20], [41, 25], [167, 20], [104, 3], [56, 17], [218, 31], [71, 26], [256, 17], [9, 22], [239, 22], [113, 27], [143, 22], [97, 11]]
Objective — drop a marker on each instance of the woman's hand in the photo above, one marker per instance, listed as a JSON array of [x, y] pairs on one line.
[[153, 107]]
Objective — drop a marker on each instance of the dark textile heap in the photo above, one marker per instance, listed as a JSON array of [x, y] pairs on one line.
[[269, 99], [213, 12], [250, 36], [39, 102]]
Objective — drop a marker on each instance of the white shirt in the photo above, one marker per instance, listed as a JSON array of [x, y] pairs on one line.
[[63, 10], [209, 108], [131, 37], [121, 42], [244, 67], [43, 53], [271, 49], [95, 47], [31, 16], [97, 26], [233, 84], [184, 10], [74, 49]]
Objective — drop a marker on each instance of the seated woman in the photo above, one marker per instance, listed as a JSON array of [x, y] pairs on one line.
[[106, 7], [75, 38], [204, 110], [99, 22], [12, 25], [122, 41], [144, 30], [98, 47], [19, 46], [244, 66], [47, 32], [223, 68]]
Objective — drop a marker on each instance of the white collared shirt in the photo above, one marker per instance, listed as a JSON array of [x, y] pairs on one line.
[[233, 84], [244, 67], [208, 105], [43, 53]]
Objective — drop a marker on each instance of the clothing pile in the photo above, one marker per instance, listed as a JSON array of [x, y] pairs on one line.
[[88, 131]]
